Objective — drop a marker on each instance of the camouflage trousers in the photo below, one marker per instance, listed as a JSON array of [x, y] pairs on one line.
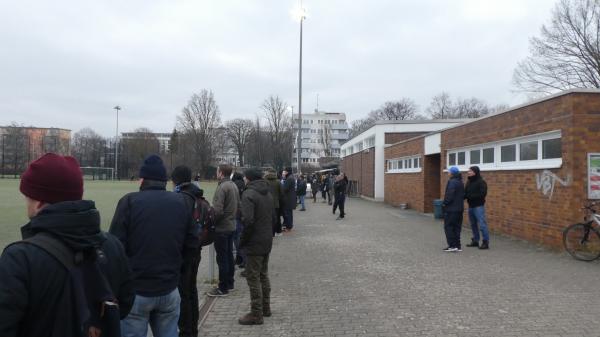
[[257, 268]]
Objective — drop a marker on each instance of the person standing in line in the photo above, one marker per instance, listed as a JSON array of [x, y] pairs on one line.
[[301, 191], [155, 226], [314, 187], [225, 204], [330, 189], [453, 206], [188, 290], [475, 193], [238, 180], [257, 241], [340, 195], [289, 198], [271, 178], [37, 290]]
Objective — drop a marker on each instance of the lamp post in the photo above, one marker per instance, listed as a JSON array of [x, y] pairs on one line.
[[301, 16], [116, 173], [291, 109]]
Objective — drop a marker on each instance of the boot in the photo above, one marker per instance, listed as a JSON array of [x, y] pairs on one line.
[[266, 310], [250, 319], [484, 245], [473, 243]]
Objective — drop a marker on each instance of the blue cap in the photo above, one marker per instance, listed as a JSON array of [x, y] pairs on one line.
[[454, 170]]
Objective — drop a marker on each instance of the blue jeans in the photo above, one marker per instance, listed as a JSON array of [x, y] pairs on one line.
[[161, 312], [225, 261], [288, 218], [478, 222], [302, 197]]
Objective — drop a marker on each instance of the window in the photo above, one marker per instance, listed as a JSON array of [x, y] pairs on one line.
[[528, 151], [452, 159], [488, 155], [475, 156], [404, 165], [551, 148], [508, 153], [538, 151]]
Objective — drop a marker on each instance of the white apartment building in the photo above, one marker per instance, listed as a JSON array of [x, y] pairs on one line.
[[322, 135]]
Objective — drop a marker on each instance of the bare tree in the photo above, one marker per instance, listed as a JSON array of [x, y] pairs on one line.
[[88, 147], [403, 109], [239, 131], [134, 148], [325, 136], [360, 125], [279, 124], [198, 121], [470, 108], [441, 106], [567, 55]]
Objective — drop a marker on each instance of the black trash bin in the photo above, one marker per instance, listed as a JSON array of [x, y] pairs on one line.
[[437, 209]]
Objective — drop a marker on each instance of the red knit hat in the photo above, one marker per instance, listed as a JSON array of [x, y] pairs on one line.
[[53, 178]]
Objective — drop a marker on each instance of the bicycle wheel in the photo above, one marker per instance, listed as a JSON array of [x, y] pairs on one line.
[[582, 241]]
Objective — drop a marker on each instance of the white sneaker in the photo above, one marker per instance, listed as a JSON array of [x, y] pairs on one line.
[[451, 250], [278, 234]]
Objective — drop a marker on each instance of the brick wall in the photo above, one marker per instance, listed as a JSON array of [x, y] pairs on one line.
[[514, 205], [395, 137], [431, 178], [360, 167], [405, 188]]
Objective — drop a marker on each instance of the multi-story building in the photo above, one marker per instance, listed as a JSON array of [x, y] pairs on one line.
[[164, 139], [322, 134]]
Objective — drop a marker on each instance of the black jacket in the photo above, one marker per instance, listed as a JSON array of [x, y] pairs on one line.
[[33, 301], [191, 193], [154, 225], [257, 211], [340, 187], [301, 190], [288, 191], [475, 190], [455, 195]]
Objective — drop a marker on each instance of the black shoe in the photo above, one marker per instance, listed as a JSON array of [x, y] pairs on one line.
[[473, 243], [484, 245], [250, 319]]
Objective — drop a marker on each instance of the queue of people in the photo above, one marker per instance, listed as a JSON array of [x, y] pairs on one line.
[[73, 279]]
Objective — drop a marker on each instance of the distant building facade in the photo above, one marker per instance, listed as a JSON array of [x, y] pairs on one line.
[[322, 135], [20, 146]]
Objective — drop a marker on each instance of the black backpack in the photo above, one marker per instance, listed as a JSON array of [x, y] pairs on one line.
[[94, 301], [204, 216]]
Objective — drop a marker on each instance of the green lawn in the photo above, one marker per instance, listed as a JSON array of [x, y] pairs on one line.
[[106, 195]]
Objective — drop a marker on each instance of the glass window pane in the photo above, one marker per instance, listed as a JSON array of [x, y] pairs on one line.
[[488, 155], [551, 148], [407, 163], [452, 159], [400, 164], [461, 158], [475, 156], [508, 153], [528, 151], [416, 162]]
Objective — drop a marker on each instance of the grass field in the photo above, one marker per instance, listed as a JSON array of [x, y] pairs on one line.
[[106, 194]]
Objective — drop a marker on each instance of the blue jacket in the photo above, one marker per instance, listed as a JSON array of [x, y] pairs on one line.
[[155, 226], [455, 195]]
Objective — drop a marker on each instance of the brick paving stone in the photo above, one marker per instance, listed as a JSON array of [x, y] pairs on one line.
[[381, 272]]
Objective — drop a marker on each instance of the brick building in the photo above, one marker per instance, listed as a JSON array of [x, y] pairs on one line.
[[534, 158], [363, 156]]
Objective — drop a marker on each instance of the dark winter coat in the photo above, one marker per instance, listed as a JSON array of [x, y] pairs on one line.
[[339, 187], [301, 189], [288, 191], [155, 226], [475, 190], [257, 212], [191, 192], [315, 186], [226, 202], [271, 178], [33, 301], [455, 195]]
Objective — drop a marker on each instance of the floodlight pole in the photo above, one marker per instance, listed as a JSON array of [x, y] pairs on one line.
[[115, 172], [299, 141]]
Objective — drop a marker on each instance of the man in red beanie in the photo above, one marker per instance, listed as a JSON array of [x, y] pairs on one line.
[[66, 274]]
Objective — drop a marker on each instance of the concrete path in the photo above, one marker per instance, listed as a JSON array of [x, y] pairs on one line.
[[382, 272]]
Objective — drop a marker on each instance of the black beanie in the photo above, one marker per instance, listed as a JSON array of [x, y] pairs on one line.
[[153, 169], [181, 174], [253, 174]]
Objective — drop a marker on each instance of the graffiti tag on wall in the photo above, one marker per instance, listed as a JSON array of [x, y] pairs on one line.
[[546, 181]]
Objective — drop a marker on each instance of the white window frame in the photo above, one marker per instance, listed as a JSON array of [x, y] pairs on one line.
[[405, 164], [518, 164]]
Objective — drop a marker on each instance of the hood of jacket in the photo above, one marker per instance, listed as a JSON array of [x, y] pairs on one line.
[[261, 186], [75, 223], [477, 172], [190, 188], [271, 176]]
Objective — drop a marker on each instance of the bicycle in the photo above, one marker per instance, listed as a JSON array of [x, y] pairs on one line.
[[582, 240]]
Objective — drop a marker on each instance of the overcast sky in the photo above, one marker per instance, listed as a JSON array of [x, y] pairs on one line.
[[68, 63]]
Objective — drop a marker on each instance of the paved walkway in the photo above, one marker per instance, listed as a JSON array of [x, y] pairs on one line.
[[382, 272]]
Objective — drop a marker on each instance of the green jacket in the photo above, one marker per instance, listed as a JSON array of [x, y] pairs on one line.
[[226, 202], [257, 212], [275, 188]]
